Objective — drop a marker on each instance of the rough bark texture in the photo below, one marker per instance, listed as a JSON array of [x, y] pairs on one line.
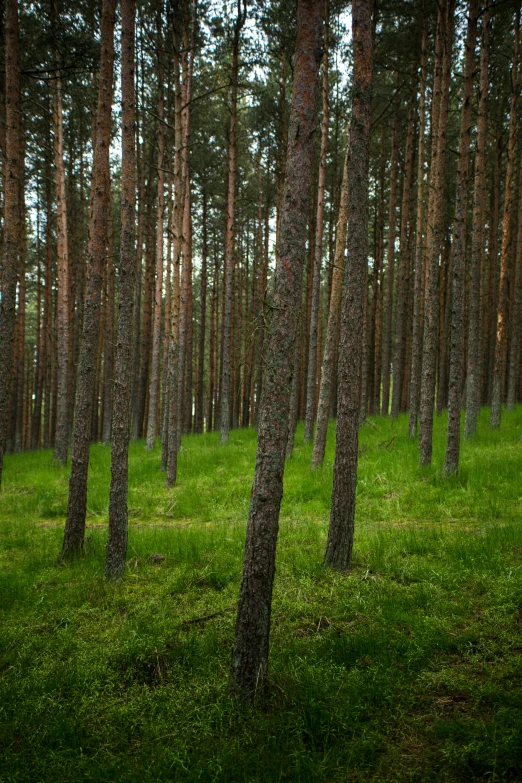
[[250, 656], [458, 250], [62, 252], [434, 233], [390, 268], [311, 381], [503, 297], [342, 514], [416, 337], [514, 349], [11, 217], [77, 505], [332, 329], [118, 512], [477, 241]]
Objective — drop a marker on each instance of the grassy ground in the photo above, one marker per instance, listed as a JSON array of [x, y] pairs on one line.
[[409, 668]]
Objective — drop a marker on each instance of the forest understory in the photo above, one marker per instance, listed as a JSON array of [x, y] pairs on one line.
[[408, 667]]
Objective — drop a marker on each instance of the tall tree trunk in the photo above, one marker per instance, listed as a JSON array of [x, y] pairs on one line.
[[198, 424], [473, 388], [514, 349], [399, 338], [311, 381], [390, 268], [342, 514], [118, 511], [327, 374], [435, 218], [11, 217], [416, 338], [20, 353], [77, 505], [458, 250], [158, 290], [108, 352], [250, 656], [502, 311], [230, 231], [62, 307]]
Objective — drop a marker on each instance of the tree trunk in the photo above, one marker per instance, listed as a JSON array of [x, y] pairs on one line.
[[502, 312], [118, 511], [11, 217], [77, 505], [458, 250], [311, 381], [416, 337], [342, 514], [250, 656], [435, 218], [327, 374], [473, 389]]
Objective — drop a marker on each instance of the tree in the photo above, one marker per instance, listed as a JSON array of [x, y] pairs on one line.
[[342, 514], [250, 655], [118, 512], [77, 506]]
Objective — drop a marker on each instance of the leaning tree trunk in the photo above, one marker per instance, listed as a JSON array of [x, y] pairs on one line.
[[250, 656], [332, 329], [458, 250], [416, 336], [311, 381], [503, 296], [77, 506], [473, 388], [120, 432], [434, 234], [11, 217], [342, 514]]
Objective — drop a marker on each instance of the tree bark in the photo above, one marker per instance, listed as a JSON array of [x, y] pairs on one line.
[[77, 505], [118, 511], [327, 374], [11, 217], [342, 514], [250, 655], [458, 250], [502, 311], [473, 388]]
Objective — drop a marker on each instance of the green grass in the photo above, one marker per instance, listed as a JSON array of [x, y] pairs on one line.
[[409, 668]]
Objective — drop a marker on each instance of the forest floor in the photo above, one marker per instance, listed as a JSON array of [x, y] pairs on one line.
[[408, 668]]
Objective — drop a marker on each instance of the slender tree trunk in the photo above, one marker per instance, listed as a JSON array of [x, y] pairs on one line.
[[435, 218], [514, 351], [250, 656], [458, 250], [327, 374], [11, 217], [158, 291], [108, 353], [77, 506], [311, 381], [20, 353], [416, 338], [230, 232], [118, 511], [502, 311], [342, 514], [390, 269], [473, 388], [198, 424], [399, 338]]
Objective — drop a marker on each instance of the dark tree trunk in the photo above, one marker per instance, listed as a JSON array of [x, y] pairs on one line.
[[118, 511], [77, 505], [473, 388], [11, 217], [250, 656], [342, 514], [458, 250]]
